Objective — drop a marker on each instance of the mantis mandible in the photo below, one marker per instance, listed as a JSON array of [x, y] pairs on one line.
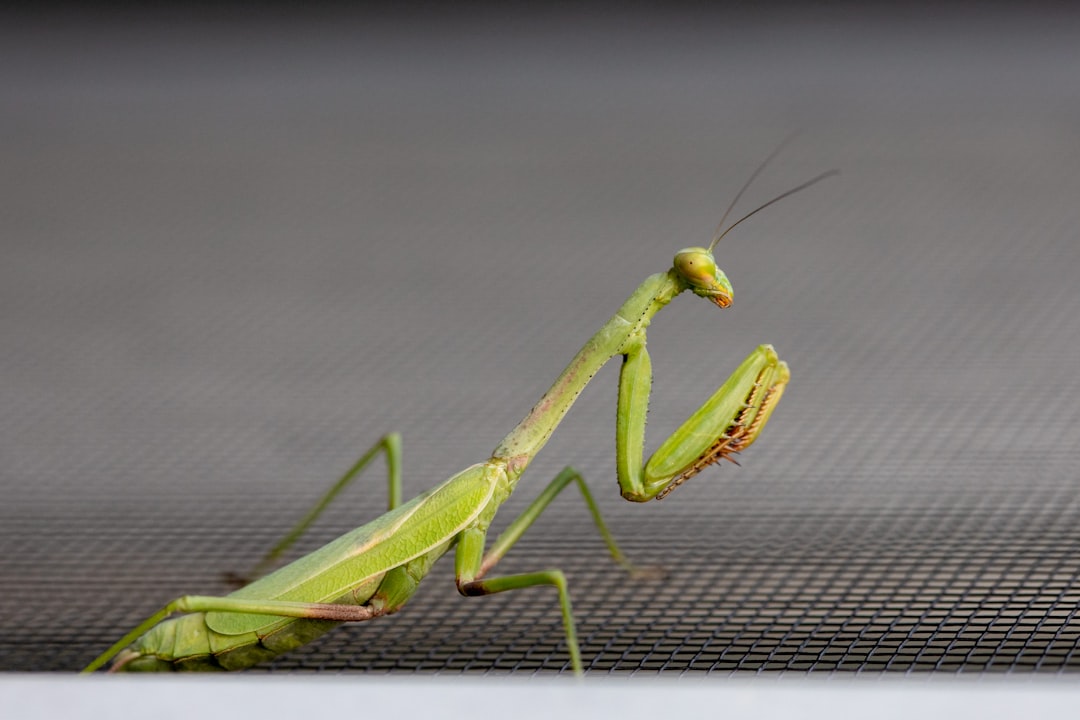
[[374, 569]]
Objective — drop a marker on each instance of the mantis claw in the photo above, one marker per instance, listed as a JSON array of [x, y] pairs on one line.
[[725, 425]]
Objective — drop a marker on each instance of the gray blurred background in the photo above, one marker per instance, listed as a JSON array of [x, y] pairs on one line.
[[237, 248]]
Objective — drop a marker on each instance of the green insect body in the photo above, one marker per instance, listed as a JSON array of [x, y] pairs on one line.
[[374, 565], [374, 569]]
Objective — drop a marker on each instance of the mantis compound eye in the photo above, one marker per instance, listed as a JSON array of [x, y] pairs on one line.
[[697, 266]]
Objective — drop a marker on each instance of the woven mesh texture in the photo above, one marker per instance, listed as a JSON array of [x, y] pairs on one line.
[[236, 253]]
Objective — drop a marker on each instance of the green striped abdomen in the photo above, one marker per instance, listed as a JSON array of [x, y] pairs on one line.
[[187, 643]]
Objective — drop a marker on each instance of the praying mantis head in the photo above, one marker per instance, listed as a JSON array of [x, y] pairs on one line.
[[697, 266]]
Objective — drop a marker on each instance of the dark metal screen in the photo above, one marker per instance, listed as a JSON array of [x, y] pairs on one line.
[[234, 254]]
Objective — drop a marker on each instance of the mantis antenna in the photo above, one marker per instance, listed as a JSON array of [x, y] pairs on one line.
[[753, 176], [778, 198]]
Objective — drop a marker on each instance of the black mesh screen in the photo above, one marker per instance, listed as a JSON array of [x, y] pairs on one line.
[[236, 254]]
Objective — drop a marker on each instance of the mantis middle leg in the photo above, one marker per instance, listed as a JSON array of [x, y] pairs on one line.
[[472, 563]]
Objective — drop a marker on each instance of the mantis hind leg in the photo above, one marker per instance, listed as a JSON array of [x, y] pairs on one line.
[[391, 444], [208, 603], [473, 563]]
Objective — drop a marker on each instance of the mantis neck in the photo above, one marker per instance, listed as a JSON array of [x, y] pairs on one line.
[[523, 443]]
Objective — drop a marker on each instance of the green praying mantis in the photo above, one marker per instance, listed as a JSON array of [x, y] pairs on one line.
[[374, 569]]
